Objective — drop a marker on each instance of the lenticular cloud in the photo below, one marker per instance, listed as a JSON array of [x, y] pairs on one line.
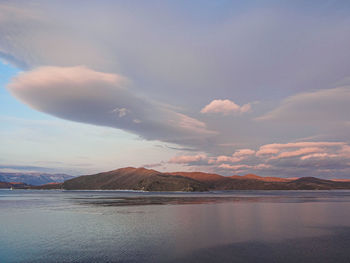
[[84, 95]]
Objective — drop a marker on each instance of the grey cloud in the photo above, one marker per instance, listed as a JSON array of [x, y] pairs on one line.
[[34, 34], [250, 54], [317, 107]]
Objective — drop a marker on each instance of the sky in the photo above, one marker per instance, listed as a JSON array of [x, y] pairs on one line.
[[231, 87]]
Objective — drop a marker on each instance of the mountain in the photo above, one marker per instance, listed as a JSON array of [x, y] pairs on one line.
[[134, 179], [341, 180], [212, 181], [8, 185], [199, 176], [261, 178], [49, 186], [312, 183], [235, 182], [150, 180], [34, 178]]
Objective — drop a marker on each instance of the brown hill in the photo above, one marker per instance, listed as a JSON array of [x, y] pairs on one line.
[[134, 179], [341, 180], [235, 182], [199, 176], [211, 181], [312, 183], [210, 177], [150, 180], [261, 178], [49, 186]]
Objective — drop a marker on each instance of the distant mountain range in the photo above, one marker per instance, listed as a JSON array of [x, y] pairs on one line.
[[13, 185], [34, 178], [150, 180]]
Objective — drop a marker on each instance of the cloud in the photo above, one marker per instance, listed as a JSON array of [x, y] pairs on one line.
[[295, 159], [187, 63], [121, 112], [275, 148], [188, 159], [299, 152], [318, 156], [21, 168], [203, 159], [234, 167], [224, 159], [31, 37], [310, 108], [244, 168], [328, 159], [152, 165], [225, 107], [84, 95], [243, 152], [237, 156]]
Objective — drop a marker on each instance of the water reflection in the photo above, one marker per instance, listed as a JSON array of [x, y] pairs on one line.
[[44, 226]]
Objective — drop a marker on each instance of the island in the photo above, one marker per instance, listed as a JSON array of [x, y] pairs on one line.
[[142, 179]]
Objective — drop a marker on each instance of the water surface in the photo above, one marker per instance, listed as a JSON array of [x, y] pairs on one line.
[[119, 226]]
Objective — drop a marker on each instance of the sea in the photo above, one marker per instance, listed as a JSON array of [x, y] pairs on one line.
[[127, 226]]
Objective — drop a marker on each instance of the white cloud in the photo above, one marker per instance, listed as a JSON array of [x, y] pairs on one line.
[[225, 107], [121, 112]]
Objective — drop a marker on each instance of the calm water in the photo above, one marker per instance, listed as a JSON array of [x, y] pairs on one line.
[[237, 226]]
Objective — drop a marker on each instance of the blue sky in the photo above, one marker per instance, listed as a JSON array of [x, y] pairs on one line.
[[231, 87]]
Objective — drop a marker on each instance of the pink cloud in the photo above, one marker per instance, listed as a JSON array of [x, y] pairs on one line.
[[243, 167], [237, 156], [187, 159], [275, 148], [318, 156], [224, 158], [225, 107], [234, 167], [278, 159], [299, 152]]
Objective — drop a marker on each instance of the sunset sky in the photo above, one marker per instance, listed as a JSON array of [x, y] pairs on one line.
[[231, 87]]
